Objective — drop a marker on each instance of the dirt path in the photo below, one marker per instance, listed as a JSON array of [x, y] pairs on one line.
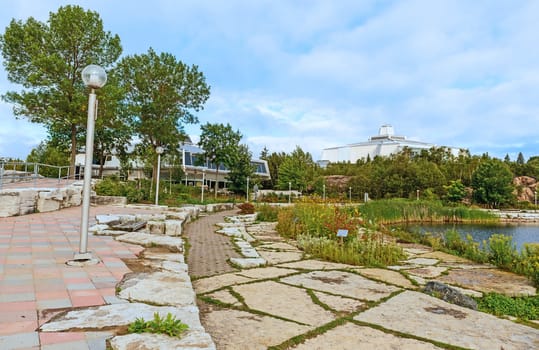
[[209, 252]]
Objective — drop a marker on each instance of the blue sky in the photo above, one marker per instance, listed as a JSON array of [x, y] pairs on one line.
[[319, 73]]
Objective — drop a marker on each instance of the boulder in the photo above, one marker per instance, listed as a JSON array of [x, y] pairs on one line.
[[449, 294]]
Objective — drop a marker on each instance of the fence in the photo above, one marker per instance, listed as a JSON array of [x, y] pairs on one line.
[[16, 172]]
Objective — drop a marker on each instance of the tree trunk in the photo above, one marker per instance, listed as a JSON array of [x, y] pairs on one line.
[[216, 179], [73, 150]]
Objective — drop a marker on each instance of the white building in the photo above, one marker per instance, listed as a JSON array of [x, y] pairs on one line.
[[384, 144], [194, 174]]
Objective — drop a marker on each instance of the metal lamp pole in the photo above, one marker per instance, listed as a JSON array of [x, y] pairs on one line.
[[94, 77], [203, 180], [159, 151], [247, 189], [289, 192]]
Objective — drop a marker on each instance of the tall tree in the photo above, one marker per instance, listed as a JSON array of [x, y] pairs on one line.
[[492, 183], [220, 144], [161, 95], [46, 59], [274, 162], [240, 169], [298, 170]]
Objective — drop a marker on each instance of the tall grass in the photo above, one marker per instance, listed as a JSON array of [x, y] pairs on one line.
[[391, 211], [315, 226], [368, 251]]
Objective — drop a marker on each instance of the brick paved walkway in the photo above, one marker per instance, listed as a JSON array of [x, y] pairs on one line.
[[208, 252]]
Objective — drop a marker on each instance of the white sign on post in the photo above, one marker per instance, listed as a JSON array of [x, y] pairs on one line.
[[342, 233]]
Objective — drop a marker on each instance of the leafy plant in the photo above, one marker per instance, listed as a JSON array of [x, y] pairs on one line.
[[267, 212], [526, 308], [168, 325]]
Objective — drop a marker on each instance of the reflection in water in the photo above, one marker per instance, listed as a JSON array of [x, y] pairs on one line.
[[521, 233]]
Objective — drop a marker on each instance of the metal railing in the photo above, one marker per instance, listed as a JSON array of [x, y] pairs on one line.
[[24, 172]]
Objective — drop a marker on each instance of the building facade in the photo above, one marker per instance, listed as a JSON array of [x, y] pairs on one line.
[[384, 144]]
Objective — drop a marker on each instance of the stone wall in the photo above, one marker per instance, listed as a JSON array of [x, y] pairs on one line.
[[32, 200]]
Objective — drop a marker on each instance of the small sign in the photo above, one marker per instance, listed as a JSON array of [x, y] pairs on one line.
[[342, 233]]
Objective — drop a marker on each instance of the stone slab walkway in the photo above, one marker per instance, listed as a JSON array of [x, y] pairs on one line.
[[299, 303]]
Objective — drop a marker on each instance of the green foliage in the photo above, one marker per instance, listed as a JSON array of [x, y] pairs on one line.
[[240, 169], [299, 170], [526, 308], [168, 325], [503, 252], [161, 93], [370, 250], [400, 210], [48, 153], [268, 213], [455, 191], [492, 183], [46, 59], [315, 226]]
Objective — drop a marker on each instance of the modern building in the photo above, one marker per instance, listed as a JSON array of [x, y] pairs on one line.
[[384, 144], [195, 174]]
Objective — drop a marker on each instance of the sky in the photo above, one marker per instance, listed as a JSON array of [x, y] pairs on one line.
[[319, 73]]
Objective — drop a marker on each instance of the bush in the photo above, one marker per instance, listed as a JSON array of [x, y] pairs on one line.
[[526, 308], [267, 212], [502, 251], [246, 208]]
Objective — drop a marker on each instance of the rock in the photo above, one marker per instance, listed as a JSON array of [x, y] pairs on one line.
[[156, 227], [110, 220], [108, 200], [247, 263], [173, 227], [190, 340], [158, 288], [175, 244], [9, 203], [453, 296]]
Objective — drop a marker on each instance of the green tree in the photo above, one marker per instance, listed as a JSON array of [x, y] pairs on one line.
[[221, 146], [274, 163], [49, 153], [161, 94], [455, 191], [46, 59], [240, 169], [492, 183], [520, 158], [298, 169]]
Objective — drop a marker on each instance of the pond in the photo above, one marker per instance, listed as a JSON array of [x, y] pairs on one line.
[[521, 233]]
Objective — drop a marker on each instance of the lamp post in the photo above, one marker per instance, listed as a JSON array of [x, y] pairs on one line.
[[417, 195], [159, 150], [535, 198], [247, 189], [350, 194], [94, 77], [203, 181], [289, 192], [324, 192]]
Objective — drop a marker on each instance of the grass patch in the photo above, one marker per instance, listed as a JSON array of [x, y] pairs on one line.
[[526, 308], [168, 325], [390, 211]]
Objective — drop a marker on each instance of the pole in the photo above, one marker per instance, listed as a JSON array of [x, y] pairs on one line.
[[324, 192], [289, 192], [158, 175], [350, 193], [83, 253], [417, 194], [247, 188], [202, 192]]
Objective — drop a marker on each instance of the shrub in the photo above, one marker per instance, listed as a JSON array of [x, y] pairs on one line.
[[246, 208], [526, 308], [169, 326], [267, 212], [502, 251]]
